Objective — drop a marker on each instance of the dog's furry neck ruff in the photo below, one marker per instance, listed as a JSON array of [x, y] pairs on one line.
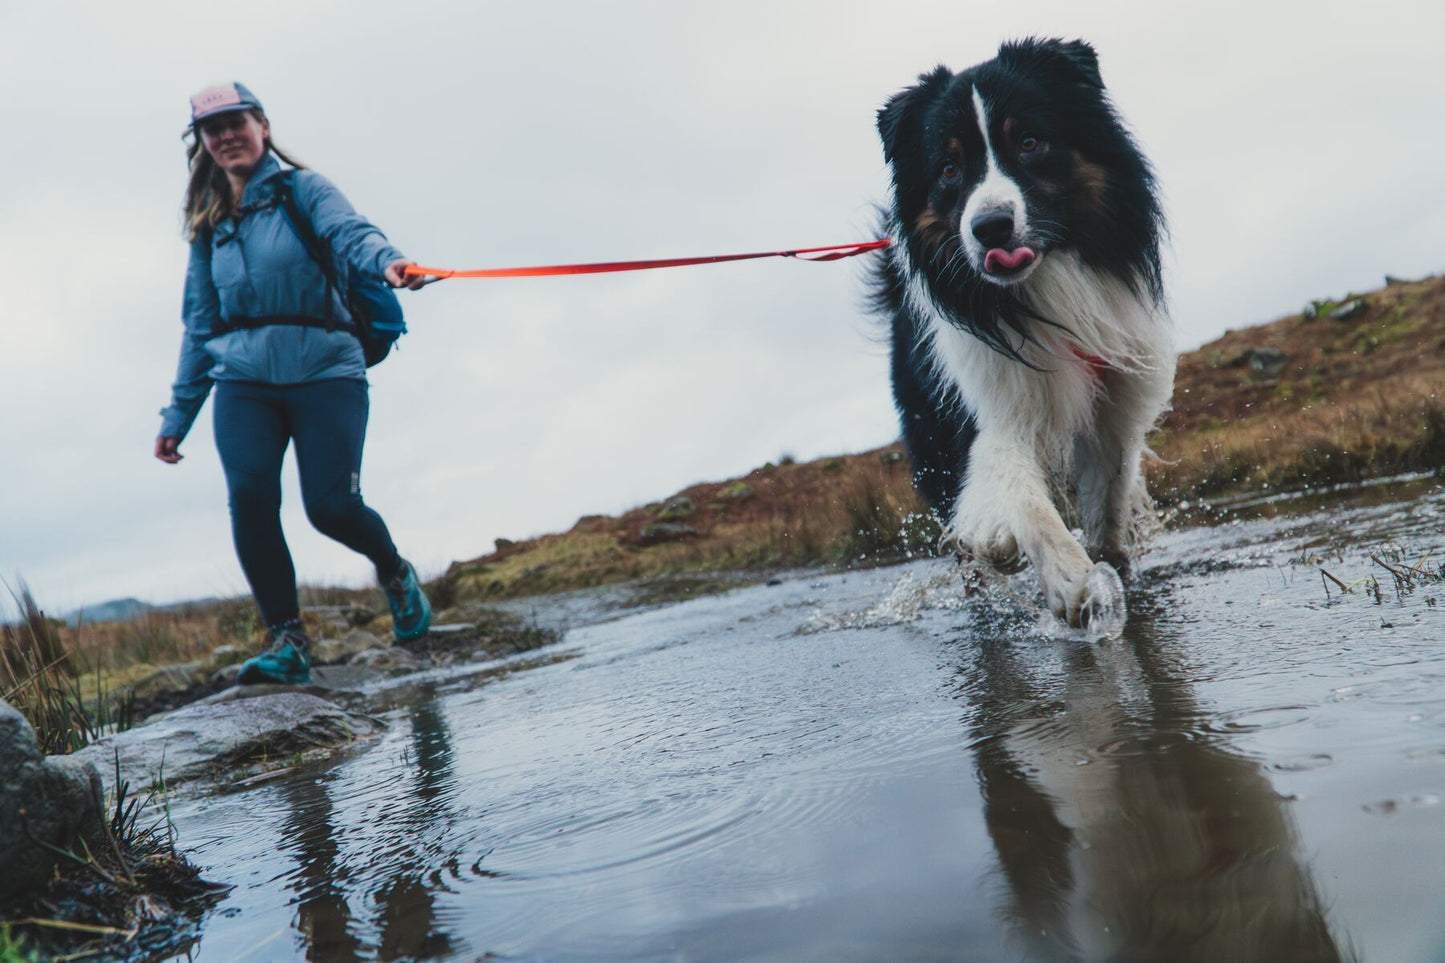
[[1064, 306]]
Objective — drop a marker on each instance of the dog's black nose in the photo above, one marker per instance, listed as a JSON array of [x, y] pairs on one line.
[[993, 228]]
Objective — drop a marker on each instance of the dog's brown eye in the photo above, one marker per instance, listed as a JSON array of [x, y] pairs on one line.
[[1028, 143], [951, 173]]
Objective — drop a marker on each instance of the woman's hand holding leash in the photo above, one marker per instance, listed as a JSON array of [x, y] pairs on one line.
[[397, 278]]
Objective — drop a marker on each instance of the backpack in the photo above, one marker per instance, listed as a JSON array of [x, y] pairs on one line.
[[375, 311]]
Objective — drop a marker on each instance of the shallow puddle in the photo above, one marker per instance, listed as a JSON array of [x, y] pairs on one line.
[[885, 766]]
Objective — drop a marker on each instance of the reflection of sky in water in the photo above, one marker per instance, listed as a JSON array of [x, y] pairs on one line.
[[873, 766]]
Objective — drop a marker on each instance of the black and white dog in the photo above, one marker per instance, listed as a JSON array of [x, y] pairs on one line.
[[1031, 348]]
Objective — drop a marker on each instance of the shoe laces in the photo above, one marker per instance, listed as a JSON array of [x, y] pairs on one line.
[[296, 638]]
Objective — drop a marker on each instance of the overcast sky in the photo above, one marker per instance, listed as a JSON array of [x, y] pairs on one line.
[[1298, 145]]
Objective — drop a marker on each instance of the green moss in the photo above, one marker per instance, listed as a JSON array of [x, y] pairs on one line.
[[12, 947]]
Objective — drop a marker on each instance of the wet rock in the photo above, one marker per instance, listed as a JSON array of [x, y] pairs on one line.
[[238, 692], [1348, 310], [206, 738], [393, 660], [344, 678], [676, 508], [664, 532], [332, 651], [452, 628], [1267, 361], [326, 682], [56, 801], [166, 680]]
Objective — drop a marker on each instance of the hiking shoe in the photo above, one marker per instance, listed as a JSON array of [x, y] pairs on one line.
[[410, 611], [288, 662]]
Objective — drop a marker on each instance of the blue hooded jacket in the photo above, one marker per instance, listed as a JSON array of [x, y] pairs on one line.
[[257, 267]]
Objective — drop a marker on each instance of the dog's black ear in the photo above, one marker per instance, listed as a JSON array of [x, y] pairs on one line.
[[1077, 56], [896, 116], [1082, 56], [890, 120]]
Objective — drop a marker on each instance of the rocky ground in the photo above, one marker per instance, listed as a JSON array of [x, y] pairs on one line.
[[85, 868]]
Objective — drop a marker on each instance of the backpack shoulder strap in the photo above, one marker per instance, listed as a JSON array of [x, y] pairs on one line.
[[318, 249]]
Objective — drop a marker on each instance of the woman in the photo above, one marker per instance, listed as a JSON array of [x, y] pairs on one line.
[[263, 325]]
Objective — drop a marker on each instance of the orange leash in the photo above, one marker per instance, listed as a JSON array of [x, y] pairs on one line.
[[831, 253]]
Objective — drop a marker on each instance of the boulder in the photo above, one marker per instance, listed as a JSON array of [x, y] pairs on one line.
[[52, 801], [735, 491], [1348, 310], [676, 508], [664, 532], [332, 651], [1267, 361], [205, 739]]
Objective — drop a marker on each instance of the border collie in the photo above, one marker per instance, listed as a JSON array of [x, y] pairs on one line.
[[1031, 348]]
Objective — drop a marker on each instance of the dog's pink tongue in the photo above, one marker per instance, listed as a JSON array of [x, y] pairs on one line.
[[998, 260]]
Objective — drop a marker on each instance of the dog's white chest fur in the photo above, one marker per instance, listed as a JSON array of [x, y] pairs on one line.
[[1112, 335]]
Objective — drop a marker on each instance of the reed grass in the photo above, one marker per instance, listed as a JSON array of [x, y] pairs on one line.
[[39, 677]]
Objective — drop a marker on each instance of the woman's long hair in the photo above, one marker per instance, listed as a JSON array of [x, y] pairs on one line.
[[208, 193]]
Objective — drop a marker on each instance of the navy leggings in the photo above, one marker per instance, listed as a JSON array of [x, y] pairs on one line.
[[327, 420]]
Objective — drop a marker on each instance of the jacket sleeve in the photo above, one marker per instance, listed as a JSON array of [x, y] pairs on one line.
[[354, 241], [201, 312]]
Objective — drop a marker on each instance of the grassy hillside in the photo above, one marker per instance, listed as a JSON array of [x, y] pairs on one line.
[[1347, 389]]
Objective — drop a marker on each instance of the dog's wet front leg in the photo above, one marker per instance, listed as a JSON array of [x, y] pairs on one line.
[[1006, 509], [1112, 496], [1107, 479]]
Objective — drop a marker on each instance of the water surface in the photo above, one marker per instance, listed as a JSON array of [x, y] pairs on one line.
[[883, 766]]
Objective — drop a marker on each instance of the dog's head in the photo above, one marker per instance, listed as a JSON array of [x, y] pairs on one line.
[[999, 166]]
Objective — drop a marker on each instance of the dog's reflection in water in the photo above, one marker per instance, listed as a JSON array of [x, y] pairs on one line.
[[1123, 830]]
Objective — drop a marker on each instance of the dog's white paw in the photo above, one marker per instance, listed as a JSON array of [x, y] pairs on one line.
[[1102, 611], [993, 546], [1092, 600]]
